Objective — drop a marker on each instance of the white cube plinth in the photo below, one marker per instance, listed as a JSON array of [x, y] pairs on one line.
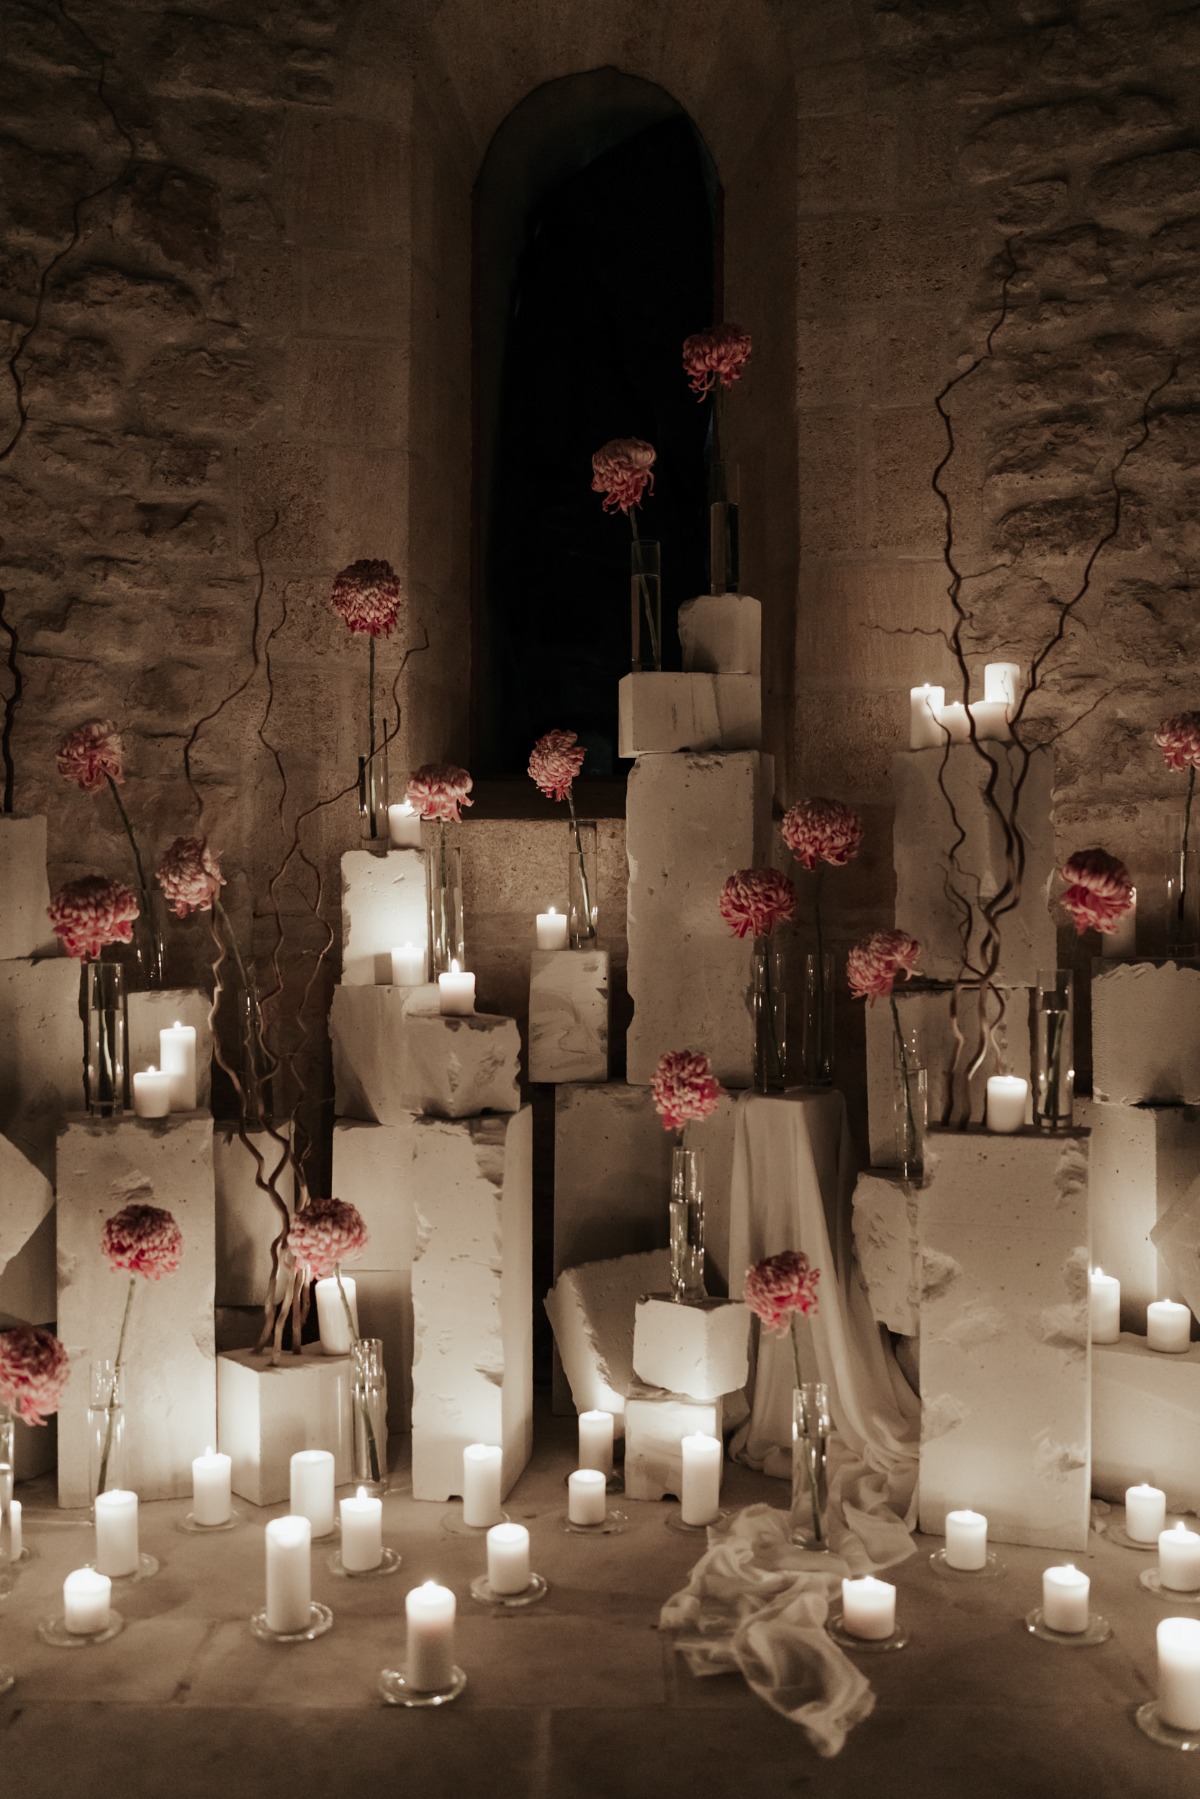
[[888, 1250], [721, 634], [658, 714], [383, 908], [1146, 1032], [568, 1015], [1005, 1376], [170, 1373], [24, 890], [701, 1351], [591, 1311], [472, 1297], [655, 1425], [925, 835], [41, 1054], [393, 1056], [691, 819], [149, 1013], [1143, 1161], [248, 1220], [1146, 1422], [266, 1413], [927, 1012], [374, 1166]]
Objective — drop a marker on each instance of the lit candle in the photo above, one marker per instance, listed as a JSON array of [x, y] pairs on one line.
[[312, 1489], [1178, 1641], [408, 966], [508, 1558], [925, 705], [1168, 1327], [456, 992], [1006, 1097], [117, 1532], [1002, 681], [700, 1500], [1105, 1304], [15, 1535], [151, 1093], [552, 930], [1065, 1599], [336, 1336], [481, 1484], [1145, 1512], [289, 1574], [991, 721], [87, 1599], [211, 1488], [1122, 942], [430, 1614], [1179, 1559], [362, 1532], [954, 722], [869, 1607], [587, 1496], [966, 1540], [596, 1441], [404, 826], [177, 1059]]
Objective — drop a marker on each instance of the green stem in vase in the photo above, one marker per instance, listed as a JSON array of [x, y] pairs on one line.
[[589, 930], [1183, 852], [110, 1408], [363, 1404]]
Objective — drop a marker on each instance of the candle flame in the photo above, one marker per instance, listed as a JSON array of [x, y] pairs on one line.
[[208, 1451], [361, 1494], [177, 1026], [152, 1069], [551, 913], [454, 969]]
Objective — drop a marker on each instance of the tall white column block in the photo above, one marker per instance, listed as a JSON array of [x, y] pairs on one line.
[[375, 1168], [24, 890], [1005, 1374], [41, 1054], [568, 1015], [721, 634], [658, 714], [591, 1311], [1146, 1032], [927, 1011], [383, 907], [472, 1297], [393, 1055], [1143, 1160], [924, 836], [170, 1374], [691, 820], [1146, 1422], [888, 1249], [149, 1013], [266, 1413], [701, 1351], [655, 1426], [247, 1219]]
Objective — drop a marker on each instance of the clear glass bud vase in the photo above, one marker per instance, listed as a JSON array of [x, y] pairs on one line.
[[645, 604], [770, 1015], [146, 957], [910, 1113], [1053, 1050], [370, 1415], [443, 893], [105, 1066], [373, 793], [816, 1019], [687, 1225], [1183, 886], [8, 1455], [807, 1516], [106, 1428], [723, 527], [583, 903]]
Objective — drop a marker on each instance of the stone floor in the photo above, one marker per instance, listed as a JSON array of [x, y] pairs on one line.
[[577, 1698]]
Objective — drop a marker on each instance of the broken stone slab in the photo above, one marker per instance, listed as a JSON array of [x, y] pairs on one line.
[[658, 714], [568, 1015], [149, 1013], [383, 908], [1146, 1033], [374, 1166], [1143, 1163], [393, 1056], [888, 1249], [592, 1311], [1146, 1421], [27, 1199], [1005, 1375], [265, 1413], [928, 863], [24, 889], [41, 1054], [29, 1284], [247, 1221], [170, 1373], [926, 1012], [655, 1425], [699, 1351], [721, 634]]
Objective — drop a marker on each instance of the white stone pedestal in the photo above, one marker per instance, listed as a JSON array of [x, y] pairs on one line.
[[701, 1352], [149, 1013], [1143, 1160], [658, 714], [568, 1015], [927, 1012], [1146, 1032], [591, 1311], [41, 1054], [655, 1425], [265, 1414], [721, 634], [24, 890], [1146, 1422], [888, 1250], [247, 1220], [383, 908], [394, 1054]]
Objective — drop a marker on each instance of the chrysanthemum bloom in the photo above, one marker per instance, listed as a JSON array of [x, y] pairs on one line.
[[754, 900], [143, 1239], [368, 596], [1099, 891], [822, 831], [554, 762], [685, 1091], [438, 790], [190, 876], [88, 913], [873, 965], [717, 355], [1178, 738], [326, 1232], [780, 1286], [92, 754], [621, 471], [34, 1370]]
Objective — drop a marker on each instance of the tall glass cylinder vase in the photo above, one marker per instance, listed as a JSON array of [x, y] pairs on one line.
[[910, 1104], [443, 893], [104, 999], [816, 1018], [370, 1415], [7, 1458], [145, 959], [645, 604], [106, 1428], [1183, 886], [687, 1225], [808, 1515], [582, 888], [723, 527], [1053, 1050], [373, 792], [770, 1015]]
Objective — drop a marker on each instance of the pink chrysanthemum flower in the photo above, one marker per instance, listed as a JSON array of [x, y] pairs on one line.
[[88, 913], [873, 965], [779, 1286], [142, 1239], [554, 762], [34, 1369], [717, 355], [1099, 891], [92, 754], [368, 596], [822, 831], [438, 790], [325, 1232], [622, 471], [1178, 737], [190, 876], [754, 900], [685, 1091]]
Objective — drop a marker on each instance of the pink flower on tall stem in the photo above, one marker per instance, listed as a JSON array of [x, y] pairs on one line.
[[326, 1232], [684, 1088], [779, 1286], [92, 754], [717, 355], [554, 762], [622, 470], [91, 912], [34, 1370], [437, 790], [822, 830], [368, 596], [143, 1239], [190, 876], [1178, 737], [1099, 891], [873, 965], [754, 900]]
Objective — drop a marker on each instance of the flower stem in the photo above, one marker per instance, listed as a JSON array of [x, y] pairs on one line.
[[112, 1392], [910, 1123], [645, 593], [589, 931], [369, 773], [820, 1031], [363, 1404], [1183, 852]]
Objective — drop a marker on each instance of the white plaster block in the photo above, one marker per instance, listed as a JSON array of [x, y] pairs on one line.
[[660, 713], [700, 1351], [1146, 1421], [691, 820], [1146, 1032], [374, 1167], [170, 1374], [591, 1311], [149, 1013], [383, 907], [888, 1250], [392, 1056], [41, 1054], [472, 1296], [721, 634], [568, 1015], [26, 1197], [24, 889], [925, 834], [247, 1221], [265, 1414], [927, 1011], [1005, 1374], [1142, 1163], [655, 1425]]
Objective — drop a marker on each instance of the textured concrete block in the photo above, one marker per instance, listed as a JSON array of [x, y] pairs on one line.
[[1146, 1032], [1143, 1161], [26, 1198], [691, 819], [383, 907], [392, 1056], [265, 1414], [927, 863], [1005, 1374], [927, 1012], [721, 634], [655, 1425], [658, 714], [41, 1054], [247, 1221], [1146, 1421], [702, 1351], [24, 890], [568, 1015], [472, 1297], [170, 1373], [591, 1311], [29, 1283], [149, 1013], [888, 1249], [374, 1166]]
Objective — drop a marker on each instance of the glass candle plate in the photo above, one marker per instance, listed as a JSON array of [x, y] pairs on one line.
[[320, 1619], [193, 1527], [613, 1524], [482, 1589], [1151, 1579], [395, 1689], [836, 1628], [147, 1567], [1149, 1720], [454, 1525], [54, 1631], [991, 1569], [1098, 1631], [674, 1521], [389, 1563], [1116, 1533]]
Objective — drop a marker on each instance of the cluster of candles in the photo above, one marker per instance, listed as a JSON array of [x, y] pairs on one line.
[[933, 723], [1168, 1324], [456, 989], [171, 1087], [702, 1459]]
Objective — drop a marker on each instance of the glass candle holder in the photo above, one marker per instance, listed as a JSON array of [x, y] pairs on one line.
[[1054, 1060], [816, 1018], [443, 893], [645, 604], [770, 1015], [106, 1037], [582, 886]]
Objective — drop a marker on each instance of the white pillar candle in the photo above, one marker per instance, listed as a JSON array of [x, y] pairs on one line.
[[177, 1059], [404, 826], [966, 1540], [954, 722], [552, 929], [456, 992], [408, 966], [925, 705], [596, 1441], [1178, 1641], [336, 1337], [508, 1569], [117, 1532], [1122, 941], [87, 1602], [1002, 681], [312, 1489], [1179, 1559], [151, 1093], [991, 721], [481, 1484], [1006, 1097], [1105, 1307], [1145, 1513], [430, 1613], [16, 1538], [700, 1500], [212, 1498], [587, 1496], [1168, 1327], [362, 1532], [289, 1574], [869, 1607], [1065, 1599]]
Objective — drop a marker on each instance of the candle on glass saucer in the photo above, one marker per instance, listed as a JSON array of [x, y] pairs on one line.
[[289, 1574], [596, 1441], [332, 1322], [966, 1541], [1002, 681], [552, 929], [362, 1532], [87, 1602], [1168, 1327], [456, 992], [1178, 1645], [429, 1611], [312, 1474], [1145, 1513], [117, 1532], [177, 1059], [587, 1496], [869, 1608], [700, 1499], [482, 1471], [1006, 1099], [212, 1488], [151, 1093], [408, 966], [1179, 1559], [1065, 1599], [1105, 1306], [508, 1568], [925, 706], [404, 826]]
